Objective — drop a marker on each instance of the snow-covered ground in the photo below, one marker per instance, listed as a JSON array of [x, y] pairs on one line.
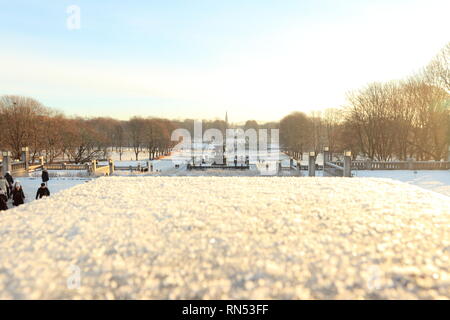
[[435, 180], [59, 180], [229, 237]]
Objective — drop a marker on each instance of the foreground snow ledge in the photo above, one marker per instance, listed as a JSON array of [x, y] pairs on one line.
[[220, 237]]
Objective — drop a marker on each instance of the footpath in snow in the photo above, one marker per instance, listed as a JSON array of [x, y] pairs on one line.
[[228, 237]]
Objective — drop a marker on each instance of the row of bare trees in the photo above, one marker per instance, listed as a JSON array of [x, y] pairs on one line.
[[401, 120], [24, 122], [382, 121], [150, 134]]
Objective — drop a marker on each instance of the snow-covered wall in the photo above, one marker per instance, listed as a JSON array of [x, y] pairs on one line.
[[228, 237]]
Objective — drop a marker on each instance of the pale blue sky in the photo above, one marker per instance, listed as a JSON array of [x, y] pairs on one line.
[[257, 59]]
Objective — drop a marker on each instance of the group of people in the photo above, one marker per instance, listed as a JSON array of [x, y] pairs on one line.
[[14, 191]]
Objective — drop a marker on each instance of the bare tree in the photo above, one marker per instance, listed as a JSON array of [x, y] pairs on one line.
[[81, 141], [19, 118], [294, 132], [437, 73], [136, 129], [119, 138], [332, 121]]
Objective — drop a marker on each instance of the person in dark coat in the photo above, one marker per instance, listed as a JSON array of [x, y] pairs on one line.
[[17, 195], [45, 176], [10, 180], [3, 200], [42, 191]]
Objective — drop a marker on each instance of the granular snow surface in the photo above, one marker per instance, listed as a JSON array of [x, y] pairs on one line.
[[229, 238]]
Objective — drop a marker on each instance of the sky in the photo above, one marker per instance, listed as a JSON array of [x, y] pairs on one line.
[[255, 59]]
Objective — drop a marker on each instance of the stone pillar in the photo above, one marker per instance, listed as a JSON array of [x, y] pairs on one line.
[[368, 164], [326, 155], [6, 164], [111, 166], [347, 164], [94, 166], [41, 160], [25, 157], [312, 164], [410, 164]]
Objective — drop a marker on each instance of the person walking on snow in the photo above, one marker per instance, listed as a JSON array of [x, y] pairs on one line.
[[10, 180], [45, 176], [3, 200], [42, 191], [4, 185], [17, 195]]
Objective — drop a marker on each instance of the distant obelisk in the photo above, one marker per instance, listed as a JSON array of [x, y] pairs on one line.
[[226, 119], [225, 138]]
